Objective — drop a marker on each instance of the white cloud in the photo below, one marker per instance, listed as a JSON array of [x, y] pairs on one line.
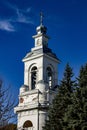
[[19, 16], [6, 25], [28, 10], [23, 18], [15, 8]]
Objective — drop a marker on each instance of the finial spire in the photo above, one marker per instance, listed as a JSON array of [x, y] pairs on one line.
[[41, 18]]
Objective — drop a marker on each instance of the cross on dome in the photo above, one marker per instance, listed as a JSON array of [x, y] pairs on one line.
[[41, 18], [41, 29]]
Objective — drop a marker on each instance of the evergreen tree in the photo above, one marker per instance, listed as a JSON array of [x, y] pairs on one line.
[[76, 115], [61, 102]]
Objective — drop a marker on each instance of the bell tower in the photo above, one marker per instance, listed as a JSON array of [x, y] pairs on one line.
[[40, 81]]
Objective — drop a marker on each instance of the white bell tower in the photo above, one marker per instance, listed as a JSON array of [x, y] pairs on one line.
[[40, 81]]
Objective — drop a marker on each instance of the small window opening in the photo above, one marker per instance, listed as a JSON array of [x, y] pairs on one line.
[[33, 77], [49, 76], [28, 125]]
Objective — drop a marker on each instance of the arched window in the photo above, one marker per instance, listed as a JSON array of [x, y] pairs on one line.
[[28, 124], [49, 76], [33, 77]]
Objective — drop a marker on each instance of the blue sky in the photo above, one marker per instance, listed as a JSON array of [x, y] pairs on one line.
[[66, 21]]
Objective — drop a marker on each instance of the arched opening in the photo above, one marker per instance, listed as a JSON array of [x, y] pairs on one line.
[[33, 77], [28, 125], [49, 76]]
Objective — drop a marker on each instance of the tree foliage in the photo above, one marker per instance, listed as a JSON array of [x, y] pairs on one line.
[[77, 112], [69, 108], [61, 101], [7, 104]]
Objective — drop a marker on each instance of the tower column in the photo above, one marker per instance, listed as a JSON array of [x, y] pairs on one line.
[[40, 79]]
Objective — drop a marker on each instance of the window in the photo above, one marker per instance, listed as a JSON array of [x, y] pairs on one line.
[[28, 125], [49, 76], [33, 77]]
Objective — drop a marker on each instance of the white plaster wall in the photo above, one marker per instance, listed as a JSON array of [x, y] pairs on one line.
[[29, 99], [42, 118], [28, 115]]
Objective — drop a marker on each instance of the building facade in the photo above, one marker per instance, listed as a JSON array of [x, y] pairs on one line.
[[40, 82]]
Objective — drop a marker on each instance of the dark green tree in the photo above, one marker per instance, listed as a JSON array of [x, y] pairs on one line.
[[76, 115], [60, 103]]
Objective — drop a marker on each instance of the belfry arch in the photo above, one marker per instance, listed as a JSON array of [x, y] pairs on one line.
[[50, 76], [33, 77]]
